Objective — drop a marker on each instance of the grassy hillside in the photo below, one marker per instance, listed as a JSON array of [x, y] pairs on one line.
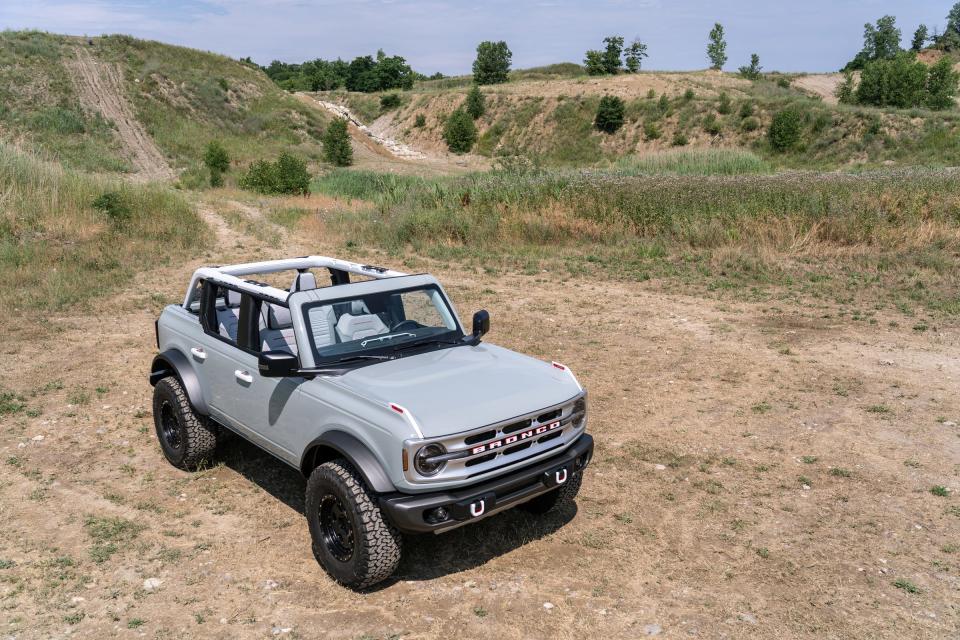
[[183, 97], [549, 118], [67, 235]]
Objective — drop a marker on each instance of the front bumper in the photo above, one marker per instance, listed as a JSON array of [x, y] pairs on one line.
[[409, 513]]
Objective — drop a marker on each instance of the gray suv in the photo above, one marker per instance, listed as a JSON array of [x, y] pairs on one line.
[[400, 419]]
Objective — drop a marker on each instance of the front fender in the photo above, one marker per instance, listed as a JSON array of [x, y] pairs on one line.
[[354, 451], [173, 362]]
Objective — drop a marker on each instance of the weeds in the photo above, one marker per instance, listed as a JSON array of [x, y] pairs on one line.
[[906, 585], [940, 491]]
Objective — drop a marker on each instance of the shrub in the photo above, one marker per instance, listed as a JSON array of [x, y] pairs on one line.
[[610, 114], [651, 131], [663, 104], [900, 82], [216, 158], [420, 121], [336, 144], [785, 129], [689, 95], [651, 94], [389, 101], [287, 175], [783, 83], [750, 124], [216, 178], [711, 125], [493, 63], [475, 103], [725, 107], [942, 85], [113, 205], [846, 90], [746, 109], [680, 139], [459, 132]]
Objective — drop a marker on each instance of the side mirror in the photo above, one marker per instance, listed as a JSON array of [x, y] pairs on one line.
[[481, 324], [278, 364]]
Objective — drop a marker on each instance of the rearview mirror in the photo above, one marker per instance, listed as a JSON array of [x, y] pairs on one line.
[[278, 364], [481, 324]]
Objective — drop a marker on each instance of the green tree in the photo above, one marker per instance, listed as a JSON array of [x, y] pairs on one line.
[[752, 72], [610, 114], [217, 161], [459, 132], [900, 82], [612, 54], [389, 101], [847, 90], [920, 37], [717, 48], [634, 55], [785, 129], [475, 103], [260, 177], [880, 42], [493, 63], [336, 144], [942, 85], [950, 40], [593, 61]]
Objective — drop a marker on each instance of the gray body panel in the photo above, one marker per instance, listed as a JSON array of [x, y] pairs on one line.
[[441, 393]]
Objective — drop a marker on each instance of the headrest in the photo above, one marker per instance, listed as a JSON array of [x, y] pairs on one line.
[[351, 327], [358, 307], [278, 317], [303, 282], [233, 298]]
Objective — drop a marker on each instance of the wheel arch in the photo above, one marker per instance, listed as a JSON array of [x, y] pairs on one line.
[[173, 362], [339, 444]]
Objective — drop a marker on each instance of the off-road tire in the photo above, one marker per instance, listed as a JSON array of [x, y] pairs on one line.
[[376, 544], [186, 438], [565, 493]]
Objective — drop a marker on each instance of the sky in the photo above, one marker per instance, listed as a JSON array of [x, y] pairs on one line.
[[441, 35]]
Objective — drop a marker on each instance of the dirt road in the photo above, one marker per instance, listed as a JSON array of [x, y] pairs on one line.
[[100, 87], [764, 469]]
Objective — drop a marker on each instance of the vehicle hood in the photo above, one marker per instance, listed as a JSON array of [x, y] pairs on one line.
[[461, 388]]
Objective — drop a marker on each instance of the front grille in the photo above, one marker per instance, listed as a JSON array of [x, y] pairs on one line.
[[508, 443]]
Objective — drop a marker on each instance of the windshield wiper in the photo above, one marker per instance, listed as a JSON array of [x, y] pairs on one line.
[[423, 343], [359, 356], [331, 368]]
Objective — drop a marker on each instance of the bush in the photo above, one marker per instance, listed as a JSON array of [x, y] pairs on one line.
[[389, 101], [493, 63], [216, 158], [753, 71], [785, 129], [113, 205], [725, 107], [610, 114], [899, 82], [750, 124], [216, 178], [288, 175], [651, 94], [663, 104], [459, 132], [420, 121], [336, 144], [846, 90], [746, 109], [711, 125], [475, 103], [942, 85], [680, 139], [651, 131], [783, 83], [689, 95]]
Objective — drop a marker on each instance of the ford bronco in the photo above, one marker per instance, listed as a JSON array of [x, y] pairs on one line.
[[401, 420]]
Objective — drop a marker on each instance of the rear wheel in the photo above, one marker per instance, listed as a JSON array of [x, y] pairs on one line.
[[563, 494], [186, 438], [351, 539]]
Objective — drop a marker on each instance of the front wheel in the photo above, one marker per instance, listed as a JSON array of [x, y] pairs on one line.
[[351, 539], [186, 438]]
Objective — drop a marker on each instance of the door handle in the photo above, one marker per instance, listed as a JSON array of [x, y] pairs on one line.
[[199, 353], [243, 376]]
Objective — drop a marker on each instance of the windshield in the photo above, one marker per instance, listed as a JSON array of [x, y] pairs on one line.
[[379, 323]]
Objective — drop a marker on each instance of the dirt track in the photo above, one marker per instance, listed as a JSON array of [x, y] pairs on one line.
[[101, 89], [763, 470]]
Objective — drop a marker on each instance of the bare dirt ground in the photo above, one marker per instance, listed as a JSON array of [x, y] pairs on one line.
[[762, 471], [101, 89], [823, 85], [628, 85]]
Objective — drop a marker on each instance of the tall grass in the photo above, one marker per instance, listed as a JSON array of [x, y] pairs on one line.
[[700, 162], [57, 249]]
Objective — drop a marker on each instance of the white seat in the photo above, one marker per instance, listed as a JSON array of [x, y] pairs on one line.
[[351, 327], [228, 317]]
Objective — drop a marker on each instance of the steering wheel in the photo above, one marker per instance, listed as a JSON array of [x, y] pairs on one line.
[[406, 325]]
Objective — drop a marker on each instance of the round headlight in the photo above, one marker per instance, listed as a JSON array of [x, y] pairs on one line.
[[425, 467]]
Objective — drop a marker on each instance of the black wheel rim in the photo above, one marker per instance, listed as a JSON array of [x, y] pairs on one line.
[[169, 428], [336, 528]]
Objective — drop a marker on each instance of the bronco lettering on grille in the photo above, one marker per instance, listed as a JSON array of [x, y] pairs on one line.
[[516, 437]]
